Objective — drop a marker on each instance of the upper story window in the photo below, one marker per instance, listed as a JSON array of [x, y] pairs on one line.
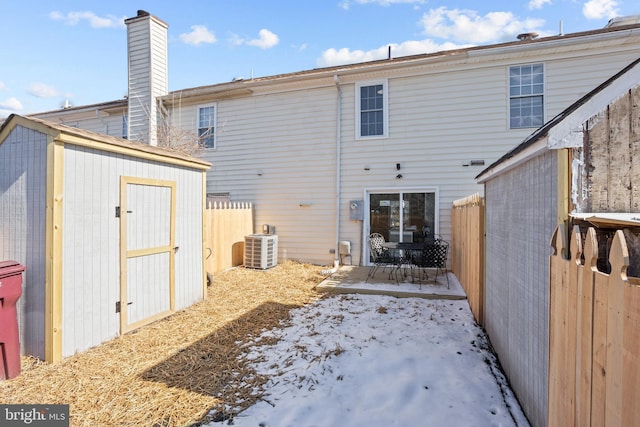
[[371, 109], [207, 125], [125, 128], [526, 96]]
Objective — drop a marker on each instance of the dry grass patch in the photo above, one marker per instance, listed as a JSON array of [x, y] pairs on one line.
[[172, 372]]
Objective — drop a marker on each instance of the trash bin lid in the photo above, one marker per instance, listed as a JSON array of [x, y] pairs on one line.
[[10, 268], [8, 263]]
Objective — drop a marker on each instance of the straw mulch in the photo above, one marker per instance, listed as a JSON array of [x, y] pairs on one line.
[[177, 370]]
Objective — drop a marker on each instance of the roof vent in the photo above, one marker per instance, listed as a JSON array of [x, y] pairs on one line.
[[527, 36], [623, 20]]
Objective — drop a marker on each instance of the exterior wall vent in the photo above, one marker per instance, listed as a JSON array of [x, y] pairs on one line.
[[260, 251]]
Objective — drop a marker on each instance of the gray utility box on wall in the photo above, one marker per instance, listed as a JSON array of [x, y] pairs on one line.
[[356, 210], [260, 251]]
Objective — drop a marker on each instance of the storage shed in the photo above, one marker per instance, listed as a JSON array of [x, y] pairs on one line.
[[583, 165], [111, 232]]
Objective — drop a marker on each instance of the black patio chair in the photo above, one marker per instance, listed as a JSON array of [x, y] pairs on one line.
[[380, 256], [434, 255]]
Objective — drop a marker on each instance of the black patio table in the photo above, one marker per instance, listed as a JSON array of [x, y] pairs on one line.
[[404, 253]]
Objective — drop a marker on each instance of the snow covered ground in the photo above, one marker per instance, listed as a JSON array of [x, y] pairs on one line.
[[372, 360]]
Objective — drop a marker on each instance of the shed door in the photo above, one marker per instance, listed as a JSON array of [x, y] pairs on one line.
[[147, 251]]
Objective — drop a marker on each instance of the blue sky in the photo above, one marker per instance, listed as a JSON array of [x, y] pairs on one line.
[[75, 51]]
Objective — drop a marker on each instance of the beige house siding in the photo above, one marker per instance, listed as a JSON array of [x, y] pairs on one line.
[[276, 137], [279, 150], [437, 121]]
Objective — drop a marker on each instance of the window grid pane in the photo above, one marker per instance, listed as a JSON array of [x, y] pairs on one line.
[[206, 129], [526, 112], [371, 110], [526, 89]]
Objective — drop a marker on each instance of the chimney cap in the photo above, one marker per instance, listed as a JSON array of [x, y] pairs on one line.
[[143, 13], [527, 36]]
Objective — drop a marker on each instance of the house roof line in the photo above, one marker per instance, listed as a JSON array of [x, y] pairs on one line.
[[87, 138], [377, 65], [544, 131], [381, 64], [107, 105]]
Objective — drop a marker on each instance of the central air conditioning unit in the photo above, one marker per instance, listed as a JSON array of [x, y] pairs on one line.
[[260, 251]]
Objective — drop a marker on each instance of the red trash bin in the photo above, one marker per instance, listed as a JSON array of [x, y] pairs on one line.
[[10, 291]]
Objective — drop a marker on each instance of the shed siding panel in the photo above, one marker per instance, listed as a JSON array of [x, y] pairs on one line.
[[189, 280], [91, 282], [612, 157], [517, 276], [23, 160]]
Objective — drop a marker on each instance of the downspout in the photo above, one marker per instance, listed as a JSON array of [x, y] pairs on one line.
[[336, 261]]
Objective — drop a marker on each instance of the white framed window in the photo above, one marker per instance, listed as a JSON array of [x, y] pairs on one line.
[[125, 127], [372, 110], [207, 125], [526, 96]]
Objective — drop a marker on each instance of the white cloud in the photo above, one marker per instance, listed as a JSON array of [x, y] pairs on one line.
[[266, 40], [95, 21], [343, 56], [2, 86], [466, 26], [456, 28], [199, 34], [347, 3], [11, 104], [598, 9], [537, 4], [41, 90]]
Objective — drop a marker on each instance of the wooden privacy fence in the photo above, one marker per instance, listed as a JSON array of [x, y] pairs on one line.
[[226, 224], [467, 250], [594, 335]]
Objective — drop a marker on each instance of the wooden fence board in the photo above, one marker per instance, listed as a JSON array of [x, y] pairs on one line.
[[630, 360], [558, 318], [584, 336], [467, 250], [598, 380], [619, 259], [226, 226], [594, 330]]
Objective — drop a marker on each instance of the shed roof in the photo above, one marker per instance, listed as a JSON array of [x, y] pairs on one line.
[[76, 136], [561, 131]]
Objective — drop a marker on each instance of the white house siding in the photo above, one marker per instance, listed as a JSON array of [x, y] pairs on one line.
[[278, 151], [147, 41], [107, 125], [439, 119], [23, 162], [517, 273], [97, 121], [91, 243]]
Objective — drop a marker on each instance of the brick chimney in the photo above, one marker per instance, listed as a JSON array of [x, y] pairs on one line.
[[147, 61]]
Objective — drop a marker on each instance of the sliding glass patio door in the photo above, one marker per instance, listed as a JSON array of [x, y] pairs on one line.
[[403, 216]]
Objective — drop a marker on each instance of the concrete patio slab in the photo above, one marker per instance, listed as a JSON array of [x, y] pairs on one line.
[[350, 279]]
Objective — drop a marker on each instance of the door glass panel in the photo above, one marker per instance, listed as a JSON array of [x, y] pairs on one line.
[[381, 219], [402, 217], [419, 216]]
